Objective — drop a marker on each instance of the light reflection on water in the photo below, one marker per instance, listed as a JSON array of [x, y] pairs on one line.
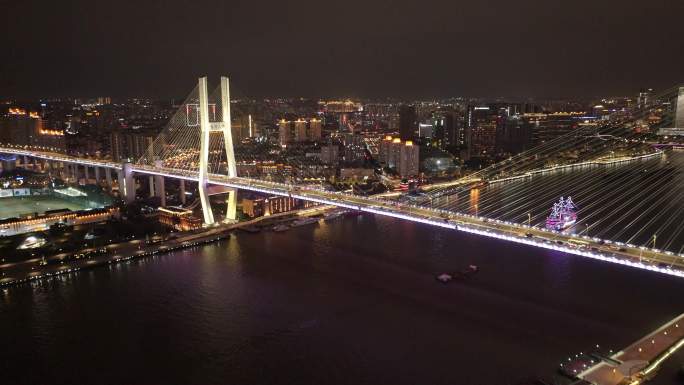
[[352, 301]]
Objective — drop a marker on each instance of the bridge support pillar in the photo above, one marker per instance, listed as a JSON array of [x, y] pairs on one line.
[[24, 163], [126, 183], [181, 191], [231, 205], [97, 175], [8, 165], [86, 175], [108, 178], [204, 152], [160, 189], [151, 184]]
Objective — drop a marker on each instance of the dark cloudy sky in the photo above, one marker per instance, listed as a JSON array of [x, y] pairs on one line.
[[368, 48]]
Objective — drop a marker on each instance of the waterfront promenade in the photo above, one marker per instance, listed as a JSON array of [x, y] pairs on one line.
[[32, 270]]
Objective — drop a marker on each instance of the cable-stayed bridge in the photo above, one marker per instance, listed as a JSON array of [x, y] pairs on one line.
[[501, 201]]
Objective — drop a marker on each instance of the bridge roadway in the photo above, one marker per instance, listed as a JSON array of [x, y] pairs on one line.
[[630, 255], [625, 254]]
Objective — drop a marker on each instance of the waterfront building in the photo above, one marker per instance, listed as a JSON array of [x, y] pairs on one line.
[[259, 206], [178, 218], [42, 222]]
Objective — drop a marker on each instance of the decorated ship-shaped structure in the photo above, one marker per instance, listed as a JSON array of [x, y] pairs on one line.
[[563, 215]]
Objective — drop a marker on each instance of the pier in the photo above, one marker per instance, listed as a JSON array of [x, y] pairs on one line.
[[640, 361]]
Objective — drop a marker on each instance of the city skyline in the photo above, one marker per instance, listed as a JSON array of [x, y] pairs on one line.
[[389, 49], [368, 192]]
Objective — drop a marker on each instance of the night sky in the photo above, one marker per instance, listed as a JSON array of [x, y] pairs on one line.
[[371, 48]]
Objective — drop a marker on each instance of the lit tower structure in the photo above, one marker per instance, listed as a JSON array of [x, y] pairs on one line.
[[206, 127]]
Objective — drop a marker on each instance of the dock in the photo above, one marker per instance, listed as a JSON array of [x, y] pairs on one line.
[[640, 361]]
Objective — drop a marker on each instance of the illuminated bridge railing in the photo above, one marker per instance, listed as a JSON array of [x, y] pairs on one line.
[[493, 228]]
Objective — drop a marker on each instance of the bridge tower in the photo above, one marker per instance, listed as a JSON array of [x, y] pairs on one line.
[[224, 127]]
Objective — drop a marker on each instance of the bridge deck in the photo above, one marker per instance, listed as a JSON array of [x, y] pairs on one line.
[[628, 255]]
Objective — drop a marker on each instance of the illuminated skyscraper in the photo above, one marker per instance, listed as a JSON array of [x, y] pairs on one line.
[[409, 160], [480, 131], [679, 112]]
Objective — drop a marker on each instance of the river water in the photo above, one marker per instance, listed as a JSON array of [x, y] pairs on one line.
[[350, 302]]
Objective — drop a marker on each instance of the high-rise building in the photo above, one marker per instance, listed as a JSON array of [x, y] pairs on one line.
[[20, 127], [116, 146], [426, 131], [284, 132], [394, 123], [131, 146], [242, 127], [545, 127], [480, 131], [354, 148], [679, 111], [446, 129], [384, 149], [407, 122], [315, 129], [643, 99], [513, 135], [402, 156], [330, 154], [299, 130], [409, 159]]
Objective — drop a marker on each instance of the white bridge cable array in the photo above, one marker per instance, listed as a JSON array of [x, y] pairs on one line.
[[178, 145], [593, 138], [647, 204]]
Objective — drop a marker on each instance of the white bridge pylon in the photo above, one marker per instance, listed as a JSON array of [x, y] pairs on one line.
[[206, 128]]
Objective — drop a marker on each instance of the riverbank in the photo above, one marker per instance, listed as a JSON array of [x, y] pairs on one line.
[[34, 270]]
